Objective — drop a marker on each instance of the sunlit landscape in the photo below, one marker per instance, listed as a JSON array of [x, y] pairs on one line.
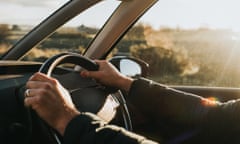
[[194, 56], [184, 46]]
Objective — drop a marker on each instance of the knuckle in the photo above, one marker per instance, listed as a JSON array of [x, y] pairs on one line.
[[27, 84], [105, 62], [47, 86], [34, 75], [35, 106], [54, 81], [43, 92], [38, 100]]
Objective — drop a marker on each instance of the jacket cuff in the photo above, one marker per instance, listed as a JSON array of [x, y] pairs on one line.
[[79, 126], [138, 87]]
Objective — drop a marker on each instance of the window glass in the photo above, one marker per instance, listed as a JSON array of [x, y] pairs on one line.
[[190, 42], [74, 36], [19, 16]]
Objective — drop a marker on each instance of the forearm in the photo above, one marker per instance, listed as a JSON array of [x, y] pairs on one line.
[[124, 83], [158, 101], [89, 129]]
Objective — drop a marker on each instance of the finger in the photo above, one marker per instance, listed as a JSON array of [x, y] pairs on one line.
[[93, 74], [98, 61], [36, 97], [38, 85], [40, 77], [31, 92], [101, 62], [27, 102], [84, 73], [27, 93], [31, 102]]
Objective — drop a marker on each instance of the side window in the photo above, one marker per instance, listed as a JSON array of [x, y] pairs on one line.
[[186, 46]]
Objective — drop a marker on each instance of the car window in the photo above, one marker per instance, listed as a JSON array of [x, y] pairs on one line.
[[74, 36], [19, 16], [190, 42], [77, 34]]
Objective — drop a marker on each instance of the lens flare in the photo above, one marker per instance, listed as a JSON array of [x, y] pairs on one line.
[[210, 101]]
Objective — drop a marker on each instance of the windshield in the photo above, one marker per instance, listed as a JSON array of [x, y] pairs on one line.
[[27, 12], [190, 42], [19, 16], [74, 36]]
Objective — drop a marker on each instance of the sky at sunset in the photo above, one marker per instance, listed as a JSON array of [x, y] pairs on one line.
[[171, 13]]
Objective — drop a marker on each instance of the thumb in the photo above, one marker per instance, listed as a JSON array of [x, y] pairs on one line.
[[84, 73], [89, 74]]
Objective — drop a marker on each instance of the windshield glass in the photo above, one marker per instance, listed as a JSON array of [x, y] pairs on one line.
[[74, 36], [19, 16]]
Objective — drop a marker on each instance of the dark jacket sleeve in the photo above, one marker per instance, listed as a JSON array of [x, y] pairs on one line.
[[89, 129], [159, 102]]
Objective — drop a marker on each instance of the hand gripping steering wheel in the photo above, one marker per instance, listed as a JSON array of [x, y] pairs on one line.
[[90, 97]]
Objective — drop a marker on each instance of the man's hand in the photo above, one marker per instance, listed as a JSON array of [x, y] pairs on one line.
[[109, 75], [50, 100]]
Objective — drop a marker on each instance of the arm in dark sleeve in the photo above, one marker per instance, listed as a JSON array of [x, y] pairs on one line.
[[89, 129], [158, 101]]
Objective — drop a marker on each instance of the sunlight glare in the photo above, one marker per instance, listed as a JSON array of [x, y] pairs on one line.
[[210, 101]]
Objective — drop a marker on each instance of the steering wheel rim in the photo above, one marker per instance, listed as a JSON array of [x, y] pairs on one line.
[[47, 68], [56, 60], [49, 65]]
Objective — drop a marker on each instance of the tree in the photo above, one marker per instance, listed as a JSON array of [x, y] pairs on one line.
[[136, 33], [87, 30], [16, 28], [162, 61], [4, 32]]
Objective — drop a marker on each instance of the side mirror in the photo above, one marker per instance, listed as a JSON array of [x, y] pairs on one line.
[[130, 66]]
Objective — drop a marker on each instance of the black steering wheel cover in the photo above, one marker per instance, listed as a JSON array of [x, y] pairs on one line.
[[73, 58], [89, 99]]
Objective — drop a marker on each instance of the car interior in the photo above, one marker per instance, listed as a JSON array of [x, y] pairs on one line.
[[19, 124]]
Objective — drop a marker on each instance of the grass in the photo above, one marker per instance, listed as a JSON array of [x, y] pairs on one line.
[[214, 54]]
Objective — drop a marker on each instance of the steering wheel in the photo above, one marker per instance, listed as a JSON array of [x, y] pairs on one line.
[[87, 94], [88, 98], [85, 90]]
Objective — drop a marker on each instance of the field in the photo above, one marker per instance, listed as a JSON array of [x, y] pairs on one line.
[[210, 57], [176, 56]]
